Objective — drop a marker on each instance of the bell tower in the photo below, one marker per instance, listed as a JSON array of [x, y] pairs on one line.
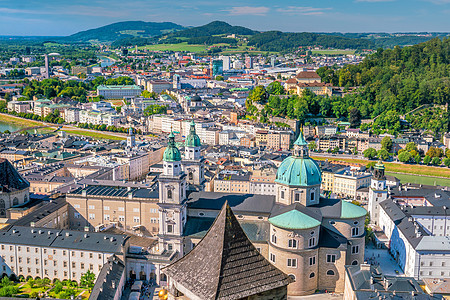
[[193, 162], [377, 192], [172, 200]]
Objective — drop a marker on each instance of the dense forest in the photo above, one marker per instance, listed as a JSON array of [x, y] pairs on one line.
[[213, 28], [280, 41], [390, 84]]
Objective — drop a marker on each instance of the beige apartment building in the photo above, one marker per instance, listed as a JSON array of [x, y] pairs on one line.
[[346, 183], [57, 254], [130, 208]]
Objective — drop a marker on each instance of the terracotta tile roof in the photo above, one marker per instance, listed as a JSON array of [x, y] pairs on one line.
[[307, 75]]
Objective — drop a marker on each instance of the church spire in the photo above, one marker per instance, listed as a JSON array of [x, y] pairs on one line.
[[301, 146]]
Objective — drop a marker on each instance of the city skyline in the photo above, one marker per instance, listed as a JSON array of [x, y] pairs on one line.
[[60, 18]]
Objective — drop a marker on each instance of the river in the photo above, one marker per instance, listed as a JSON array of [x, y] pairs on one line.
[[8, 126]]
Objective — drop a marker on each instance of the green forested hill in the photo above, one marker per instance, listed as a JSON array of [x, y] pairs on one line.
[[120, 30], [213, 28], [282, 41]]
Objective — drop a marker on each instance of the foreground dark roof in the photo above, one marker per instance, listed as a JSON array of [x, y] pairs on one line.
[[10, 179], [225, 264], [108, 280]]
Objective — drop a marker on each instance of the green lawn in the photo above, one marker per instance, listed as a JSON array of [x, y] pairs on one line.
[[96, 135], [421, 179], [175, 47], [333, 52]]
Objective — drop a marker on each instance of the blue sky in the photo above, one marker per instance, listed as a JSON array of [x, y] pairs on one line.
[[64, 17]]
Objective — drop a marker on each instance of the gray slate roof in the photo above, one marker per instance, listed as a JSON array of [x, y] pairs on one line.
[[225, 264], [108, 279], [10, 179]]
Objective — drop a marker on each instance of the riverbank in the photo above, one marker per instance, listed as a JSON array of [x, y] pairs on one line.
[[24, 123]]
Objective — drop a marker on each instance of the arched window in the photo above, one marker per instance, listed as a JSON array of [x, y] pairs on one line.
[[292, 243], [163, 277], [15, 201], [312, 275], [169, 194], [191, 176], [274, 238], [330, 272], [292, 276], [355, 263]]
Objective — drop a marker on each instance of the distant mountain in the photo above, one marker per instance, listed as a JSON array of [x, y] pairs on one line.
[[213, 28], [128, 29]]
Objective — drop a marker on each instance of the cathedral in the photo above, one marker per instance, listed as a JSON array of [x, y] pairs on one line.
[[305, 235]]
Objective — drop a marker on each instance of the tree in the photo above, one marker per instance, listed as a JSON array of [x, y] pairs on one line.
[[411, 146], [417, 159], [275, 88], [258, 95], [436, 161], [87, 279], [147, 94], [404, 157], [383, 154], [312, 146], [427, 160], [446, 161], [354, 117], [335, 150], [386, 143], [370, 153], [155, 109], [219, 78], [434, 152]]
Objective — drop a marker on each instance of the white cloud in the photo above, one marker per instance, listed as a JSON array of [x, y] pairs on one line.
[[248, 10], [303, 10]]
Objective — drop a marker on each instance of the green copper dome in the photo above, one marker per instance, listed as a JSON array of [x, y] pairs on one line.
[[351, 211], [192, 140], [172, 153], [294, 219], [299, 169]]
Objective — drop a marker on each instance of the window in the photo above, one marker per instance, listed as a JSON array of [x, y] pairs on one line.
[[136, 209], [105, 207], [121, 208], [81, 254], [136, 219], [73, 264], [355, 231], [282, 195], [330, 272], [122, 218], [355, 249], [90, 255], [65, 273], [76, 206], [64, 252], [65, 264], [91, 207], [297, 198], [292, 262], [312, 275], [312, 242], [312, 260], [272, 257], [54, 263], [91, 216], [107, 217], [292, 276], [169, 247], [91, 267], [28, 249], [73, 253], [274, 238], [99, 256], [82, 266], [169, 194], [355, 263], [54, 252], [169, 228], [331, 258], [312, 196], [292, 243]]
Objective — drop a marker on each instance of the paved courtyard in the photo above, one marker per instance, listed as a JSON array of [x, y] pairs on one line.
[[382, 258]]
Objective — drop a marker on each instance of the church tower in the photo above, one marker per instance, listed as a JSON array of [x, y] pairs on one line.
[[131, 139], [298, 177], [193, 162], [377, 192], [172, 200]]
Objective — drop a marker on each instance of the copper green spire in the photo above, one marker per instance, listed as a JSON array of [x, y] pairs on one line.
[[172, 153], [192, 140]]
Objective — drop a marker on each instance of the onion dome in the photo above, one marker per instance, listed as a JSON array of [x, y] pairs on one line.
[[299, 169], [172, 153], [192, 140]]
